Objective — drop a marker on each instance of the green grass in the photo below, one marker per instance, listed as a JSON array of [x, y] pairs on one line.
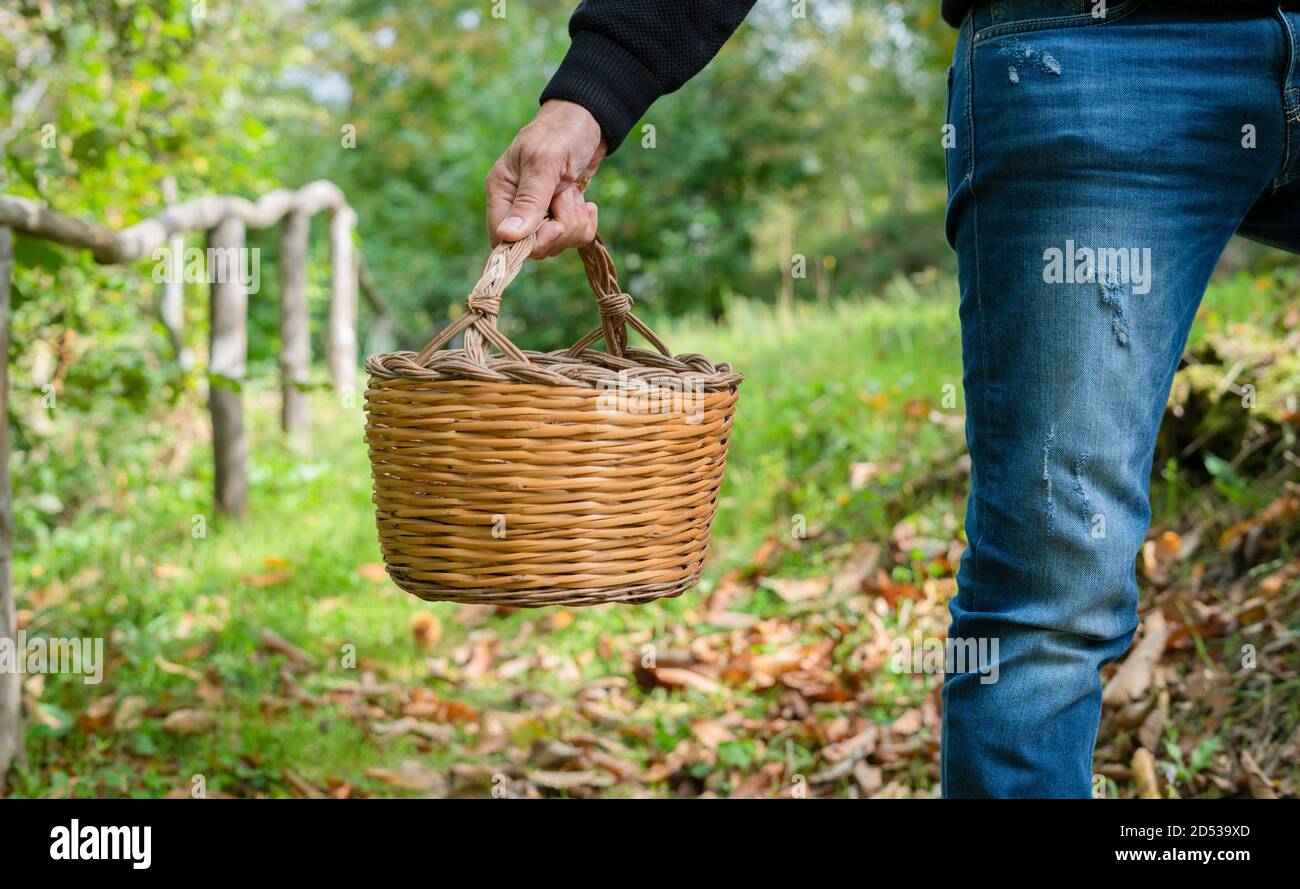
[[827, 386]]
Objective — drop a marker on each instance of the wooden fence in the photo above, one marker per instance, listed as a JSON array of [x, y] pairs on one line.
[[223, 220]]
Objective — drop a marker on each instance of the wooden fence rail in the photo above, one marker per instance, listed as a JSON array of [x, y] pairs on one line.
[[223, 220]]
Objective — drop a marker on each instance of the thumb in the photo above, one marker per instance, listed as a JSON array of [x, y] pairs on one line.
[[531, 201]]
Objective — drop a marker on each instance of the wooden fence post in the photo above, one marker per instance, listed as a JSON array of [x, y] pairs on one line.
[[11, 727], [171, 305], [342, 341], [228, 356], [224, 219], [295, 340], [381, 336]]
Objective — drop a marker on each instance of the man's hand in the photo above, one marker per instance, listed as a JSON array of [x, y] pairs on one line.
[[546, 169]]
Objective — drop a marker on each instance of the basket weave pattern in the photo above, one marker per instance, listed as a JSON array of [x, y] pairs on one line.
[[523, 478]]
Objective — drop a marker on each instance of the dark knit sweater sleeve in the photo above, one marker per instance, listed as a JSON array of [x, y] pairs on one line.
[[625, 54]]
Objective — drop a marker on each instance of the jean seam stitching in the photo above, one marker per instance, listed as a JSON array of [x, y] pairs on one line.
[[1285, 174], [979, 290]]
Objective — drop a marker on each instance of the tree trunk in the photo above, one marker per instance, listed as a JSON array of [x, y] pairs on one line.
[[295, 341], [342, 351], [11, 727], [226, 364]]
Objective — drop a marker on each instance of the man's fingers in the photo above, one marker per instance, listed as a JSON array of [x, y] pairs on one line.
[[576, 220], [500, 195], [579, 231], [538, 180], [548, 234]]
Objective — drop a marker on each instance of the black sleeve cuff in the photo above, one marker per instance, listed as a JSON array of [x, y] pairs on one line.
[[608, 81]]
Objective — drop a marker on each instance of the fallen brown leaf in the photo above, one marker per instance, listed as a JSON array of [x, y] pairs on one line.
[[710, 733], [301, 786], [409, 725], [909, 723], [1272, 584], [622, 769], [1143, 768], [129, 713], [860, 474], [1261, 785], [98, 713], [795, 589], [870, 778], [857, 570], [273, 641], [188, 721], [1133, 678], [1170, 544], [1153, 727], [426, 629], [269, 578], [857, 747], [412, 776], [482, 655], [677, 677], [570, 780]]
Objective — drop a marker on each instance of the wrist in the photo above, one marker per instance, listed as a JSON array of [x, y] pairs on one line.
[[607, 80]]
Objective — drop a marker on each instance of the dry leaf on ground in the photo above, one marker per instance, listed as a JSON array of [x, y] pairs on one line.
[[1133, 678], [190, 721]]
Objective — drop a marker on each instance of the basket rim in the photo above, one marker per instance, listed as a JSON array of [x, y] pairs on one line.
[[588, 369]]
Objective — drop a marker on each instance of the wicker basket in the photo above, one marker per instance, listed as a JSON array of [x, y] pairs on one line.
[[559, 478]]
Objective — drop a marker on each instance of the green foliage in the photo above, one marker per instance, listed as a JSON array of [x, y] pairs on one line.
[[761, 157], [841, 407], [125, 565], [817, 137]]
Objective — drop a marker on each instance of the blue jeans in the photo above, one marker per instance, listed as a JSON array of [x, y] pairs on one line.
[[1097, 167]]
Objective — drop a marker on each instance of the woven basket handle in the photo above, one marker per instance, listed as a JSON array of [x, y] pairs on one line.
[[614, 305], [479, 320]]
